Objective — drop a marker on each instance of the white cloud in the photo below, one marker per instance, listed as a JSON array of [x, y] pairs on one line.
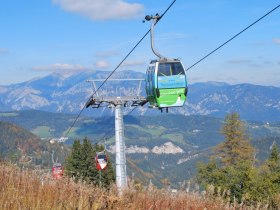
[[134, 63], [62, 68], [102, 64], [106, 54], [3, 51], [102, 9], [239, 61], [276, 41]]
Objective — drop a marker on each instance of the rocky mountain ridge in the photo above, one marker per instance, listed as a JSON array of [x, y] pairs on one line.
[[68, 95]]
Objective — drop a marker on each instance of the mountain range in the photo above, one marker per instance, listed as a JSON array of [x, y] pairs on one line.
[[158, 145], [59, 94]]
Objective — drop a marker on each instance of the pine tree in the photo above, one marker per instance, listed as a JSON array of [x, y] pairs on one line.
[[80, 164], [274, 155], [273, 164], [231, 167], [88, 171], [236, 148], [73, 161]]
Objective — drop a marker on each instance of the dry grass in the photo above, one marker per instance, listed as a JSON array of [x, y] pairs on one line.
[[24, 190]]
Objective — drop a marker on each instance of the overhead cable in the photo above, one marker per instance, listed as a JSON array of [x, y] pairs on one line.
[[128, 54], [236, 35], [269, 12]]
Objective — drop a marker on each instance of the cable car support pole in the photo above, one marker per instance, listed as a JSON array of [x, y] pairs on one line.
[[120, 149], [118, 102]]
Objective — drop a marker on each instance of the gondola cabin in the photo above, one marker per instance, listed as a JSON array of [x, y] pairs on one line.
[[101, 161], [57, 171], [166, 84]]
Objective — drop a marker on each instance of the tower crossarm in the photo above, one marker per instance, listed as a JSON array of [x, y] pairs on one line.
[[97, 101]]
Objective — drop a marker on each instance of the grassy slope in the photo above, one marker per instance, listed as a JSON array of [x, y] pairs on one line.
[[25, 190]]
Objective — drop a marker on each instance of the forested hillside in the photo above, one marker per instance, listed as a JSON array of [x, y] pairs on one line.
[[23, 147], [158, 147]]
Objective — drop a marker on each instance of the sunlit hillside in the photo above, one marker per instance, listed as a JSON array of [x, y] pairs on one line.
[[21, 147]]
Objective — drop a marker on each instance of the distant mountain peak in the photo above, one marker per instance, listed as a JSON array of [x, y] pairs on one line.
[[56, 93]]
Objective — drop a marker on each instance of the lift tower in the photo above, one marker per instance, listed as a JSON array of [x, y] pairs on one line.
[[118, 102]]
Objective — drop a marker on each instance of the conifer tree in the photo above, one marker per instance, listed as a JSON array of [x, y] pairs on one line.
[[236, 148], [273, 175], [231, 167], [87, 171], [80, 164], [273, 161], [73, 161], [274, 155]]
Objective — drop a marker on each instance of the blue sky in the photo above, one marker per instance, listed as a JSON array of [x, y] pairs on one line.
[[69, 36]]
